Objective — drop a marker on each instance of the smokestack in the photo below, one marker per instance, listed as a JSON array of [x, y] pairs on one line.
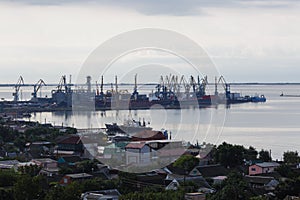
[[88, 83]]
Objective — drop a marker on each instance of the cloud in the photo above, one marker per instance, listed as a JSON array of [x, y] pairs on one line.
[[168, 7]]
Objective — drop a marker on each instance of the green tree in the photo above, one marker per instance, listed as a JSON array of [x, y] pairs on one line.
[[285, 171], [69, 192], [55, 193], [288, 187], [27, 188], [72, 191], [7, 178], [230, 155], [251, 153], [291, 157], [31, 170], [264, 156], [234, 188], [87, 165], [186, 162]]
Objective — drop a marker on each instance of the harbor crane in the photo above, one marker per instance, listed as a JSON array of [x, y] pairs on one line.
[[186, 86], [202, 86], [18, 85], [37, 87], [225, 85], [62, 85], [97, 89]]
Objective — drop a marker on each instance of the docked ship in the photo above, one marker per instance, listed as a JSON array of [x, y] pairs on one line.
[[128, 127], [172, 92]]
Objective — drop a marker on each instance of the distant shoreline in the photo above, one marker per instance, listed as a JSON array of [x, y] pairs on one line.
[[108, 84]]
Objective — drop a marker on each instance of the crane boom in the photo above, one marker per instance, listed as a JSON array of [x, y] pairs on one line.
[[18, 85], [225, 85]]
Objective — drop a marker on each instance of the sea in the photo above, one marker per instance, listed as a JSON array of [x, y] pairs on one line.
[[273, 125]]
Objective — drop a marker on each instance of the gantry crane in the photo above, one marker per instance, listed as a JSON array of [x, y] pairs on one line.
[[225, 85], [37, 87], [18, 85]]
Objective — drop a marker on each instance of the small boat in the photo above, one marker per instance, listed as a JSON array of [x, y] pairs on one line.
[[289, 95], [257, 98], [129, 127]]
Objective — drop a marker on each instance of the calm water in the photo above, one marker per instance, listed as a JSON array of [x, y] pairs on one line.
[[272, 125]]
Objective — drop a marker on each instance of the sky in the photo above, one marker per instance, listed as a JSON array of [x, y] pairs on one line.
[[248, 41]]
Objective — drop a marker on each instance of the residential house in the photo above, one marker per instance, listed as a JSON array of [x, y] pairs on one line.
[[195, 196], [138, 153], [114, 150], [49, 166], [69, 178], [70, 143], [151, 178], [9, 164], [262, 168], [173, 181], [90, 144], [147, 135], [262, 182], [45, 162], [39, 149], [112, 194], [218, 179], [68, 161], [143, 152], [211, 171]]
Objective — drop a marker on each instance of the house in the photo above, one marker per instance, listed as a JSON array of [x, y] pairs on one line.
[[68, 161], [71, 143], [173, 181], [147, 135], [210, 171], [114, 150], [45, 163], [138, 153], [143, 152], [9, 164], [195, 196], [262, 182], [69, 178], [112, 194], [218, 179], [288, 197], [39, 149], [262, 168], [151, 178], [90, 142], [49, 166]]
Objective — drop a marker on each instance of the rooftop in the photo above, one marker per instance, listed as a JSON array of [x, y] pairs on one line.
[[268, 164], [7, 164], [71, 139], [135, 145], [258, 179], [212, 170], [44, 160], [149, 134], [80, 175]]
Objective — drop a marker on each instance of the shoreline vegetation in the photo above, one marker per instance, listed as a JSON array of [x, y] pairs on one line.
[[226, 172]]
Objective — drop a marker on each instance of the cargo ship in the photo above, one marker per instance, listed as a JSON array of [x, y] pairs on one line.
[[171, 92], [128, 127]]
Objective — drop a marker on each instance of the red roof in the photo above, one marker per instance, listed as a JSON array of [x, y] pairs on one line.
[[73, 139], [148, 135], [135, 145]]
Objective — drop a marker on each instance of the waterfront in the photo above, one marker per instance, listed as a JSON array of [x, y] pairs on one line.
[[272, 125]]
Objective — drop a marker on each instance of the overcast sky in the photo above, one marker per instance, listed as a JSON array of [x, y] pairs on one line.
[[249, 41]]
